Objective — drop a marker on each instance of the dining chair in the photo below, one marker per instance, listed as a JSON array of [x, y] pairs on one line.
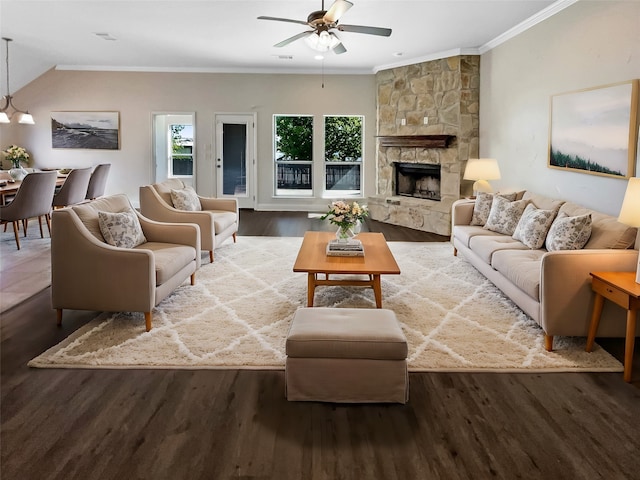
[[33, 199], [74, 188], [98, 181]]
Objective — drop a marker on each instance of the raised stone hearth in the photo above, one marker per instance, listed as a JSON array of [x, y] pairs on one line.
[[446, 92]]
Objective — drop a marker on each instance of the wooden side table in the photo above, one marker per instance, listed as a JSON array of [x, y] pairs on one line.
[[620, 288]]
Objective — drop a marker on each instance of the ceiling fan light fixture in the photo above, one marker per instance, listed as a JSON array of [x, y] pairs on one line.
[[323, 41]]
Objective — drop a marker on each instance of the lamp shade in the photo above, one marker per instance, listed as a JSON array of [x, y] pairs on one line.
[[481, 170], [630, 210]]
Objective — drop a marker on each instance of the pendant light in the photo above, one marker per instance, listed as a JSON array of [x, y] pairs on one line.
[[5, 117]]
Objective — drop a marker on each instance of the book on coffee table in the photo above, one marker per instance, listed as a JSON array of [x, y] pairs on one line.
[[352, 248]]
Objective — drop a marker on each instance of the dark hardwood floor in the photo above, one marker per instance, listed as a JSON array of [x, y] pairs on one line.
[[236, 424]]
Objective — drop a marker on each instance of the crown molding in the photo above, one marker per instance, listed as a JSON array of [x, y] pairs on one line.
[[271, 71]]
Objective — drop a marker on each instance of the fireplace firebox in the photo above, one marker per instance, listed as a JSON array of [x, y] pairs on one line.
[[418, 180]]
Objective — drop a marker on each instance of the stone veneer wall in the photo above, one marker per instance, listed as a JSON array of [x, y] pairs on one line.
[[447, 91]]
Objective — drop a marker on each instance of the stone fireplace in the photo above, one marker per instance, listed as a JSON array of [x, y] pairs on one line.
[[417, 180], [428, 116]]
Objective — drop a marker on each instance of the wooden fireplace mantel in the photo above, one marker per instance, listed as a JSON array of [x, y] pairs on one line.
[[424, 141]]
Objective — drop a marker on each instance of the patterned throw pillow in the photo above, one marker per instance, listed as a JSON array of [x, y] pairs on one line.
[[482, 207], [186, 199], [505, 215], [121, 229], [569, 233], [533, 226]]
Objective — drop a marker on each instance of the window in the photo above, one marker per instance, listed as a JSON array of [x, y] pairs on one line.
[[181, 150], [343, 155], [293, 156]]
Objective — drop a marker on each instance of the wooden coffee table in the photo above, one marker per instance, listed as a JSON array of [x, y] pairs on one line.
[[378, 260]]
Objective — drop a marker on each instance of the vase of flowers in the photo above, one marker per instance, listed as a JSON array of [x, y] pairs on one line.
[[17, 155], [347, 216]]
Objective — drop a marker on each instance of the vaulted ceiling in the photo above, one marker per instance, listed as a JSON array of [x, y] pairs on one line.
[[226, 36]]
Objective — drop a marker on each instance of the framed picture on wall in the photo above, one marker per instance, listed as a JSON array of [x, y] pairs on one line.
[[92, 130], [595, 130]]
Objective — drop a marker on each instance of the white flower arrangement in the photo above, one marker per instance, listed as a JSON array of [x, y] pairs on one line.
[[345, 214], [16, 155]]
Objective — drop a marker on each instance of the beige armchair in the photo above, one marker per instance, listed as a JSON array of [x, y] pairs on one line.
[[87, 273], [218, 219]]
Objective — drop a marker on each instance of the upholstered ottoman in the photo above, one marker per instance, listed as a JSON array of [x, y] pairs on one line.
[[356, 355]]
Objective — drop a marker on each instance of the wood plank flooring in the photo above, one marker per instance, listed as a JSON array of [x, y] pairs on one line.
[[236, 424]]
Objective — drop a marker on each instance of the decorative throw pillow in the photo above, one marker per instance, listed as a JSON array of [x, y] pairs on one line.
[[186, 199], [533, 226], [482, 207], [121, 229], [569, 233], [505, 215]]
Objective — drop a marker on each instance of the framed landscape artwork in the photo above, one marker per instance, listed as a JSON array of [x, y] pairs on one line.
[[93, 130], [595, 130]]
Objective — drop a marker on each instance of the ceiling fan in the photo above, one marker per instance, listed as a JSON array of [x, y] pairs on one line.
[[320, 37]]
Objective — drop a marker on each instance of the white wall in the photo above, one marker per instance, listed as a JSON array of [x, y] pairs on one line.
[[136, 95], [591, 43]]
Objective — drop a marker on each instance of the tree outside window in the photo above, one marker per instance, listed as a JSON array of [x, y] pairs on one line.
[[293, 154], [343, 155], [181, 137]]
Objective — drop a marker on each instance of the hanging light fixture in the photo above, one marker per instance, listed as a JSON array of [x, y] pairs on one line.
[[5, 116], [322, 41]]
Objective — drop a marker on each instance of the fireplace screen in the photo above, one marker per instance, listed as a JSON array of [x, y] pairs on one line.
[[418, 180]]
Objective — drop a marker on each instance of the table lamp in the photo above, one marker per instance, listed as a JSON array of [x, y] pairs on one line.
[[630, 212], [481, 170]]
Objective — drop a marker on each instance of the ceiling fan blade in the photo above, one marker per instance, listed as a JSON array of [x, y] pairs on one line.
[[336, 11], [278, 19], [338, 49], [293, 39], [383, 32]]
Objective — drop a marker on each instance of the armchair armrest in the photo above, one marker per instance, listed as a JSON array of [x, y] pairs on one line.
[[178, 233], [226, 204]]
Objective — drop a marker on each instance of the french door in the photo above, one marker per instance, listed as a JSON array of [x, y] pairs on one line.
[[235, 158]]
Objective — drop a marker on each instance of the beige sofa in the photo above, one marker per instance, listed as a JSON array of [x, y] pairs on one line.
[[87, 273], [552, 287], [218, 219]]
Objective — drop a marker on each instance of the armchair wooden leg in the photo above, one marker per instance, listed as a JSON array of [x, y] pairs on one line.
[[58, 316], [40, 225], [193, 278], [455, 252], [548, 342], [24, 224], [47, 217], [147, 320], [210, 256], [16, 229], [235, 238]]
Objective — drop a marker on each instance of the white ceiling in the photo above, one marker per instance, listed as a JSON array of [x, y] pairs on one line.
[[226, 36]]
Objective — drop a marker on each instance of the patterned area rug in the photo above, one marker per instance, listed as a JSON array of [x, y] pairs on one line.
[[238, 314]]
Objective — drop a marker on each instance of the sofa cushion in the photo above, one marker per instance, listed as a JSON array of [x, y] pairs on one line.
[[522, 268], [169, 258], [185, 199], [505, 215], [543, 202], [606, 231], [121, 229], [464, 233], [88, 212], [164, 189], [533, 226], [482, 206], [569, 233], [485, 245]]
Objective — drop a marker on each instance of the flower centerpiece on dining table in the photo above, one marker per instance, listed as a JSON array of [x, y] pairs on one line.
[[347, 216], [17, 155]]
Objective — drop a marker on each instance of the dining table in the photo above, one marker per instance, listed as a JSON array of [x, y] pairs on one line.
[[9, 188]]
